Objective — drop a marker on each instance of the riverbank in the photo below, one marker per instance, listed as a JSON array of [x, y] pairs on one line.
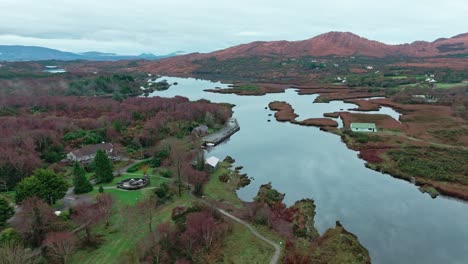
[[294, 224], [318, 165], [424, 158]]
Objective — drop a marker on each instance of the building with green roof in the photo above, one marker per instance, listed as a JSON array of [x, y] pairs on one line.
[[363, 127]]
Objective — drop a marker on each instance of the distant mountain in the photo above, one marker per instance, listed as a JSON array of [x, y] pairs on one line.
[[345, 44], [32, 53], [341, 44]]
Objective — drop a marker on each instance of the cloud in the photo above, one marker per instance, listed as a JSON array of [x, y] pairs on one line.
[[160, 26], [249, 33]]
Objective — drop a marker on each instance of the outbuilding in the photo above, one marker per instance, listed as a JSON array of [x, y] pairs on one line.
[[363, 127], [212, 162]]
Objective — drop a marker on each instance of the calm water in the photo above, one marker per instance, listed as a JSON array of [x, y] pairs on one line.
[[392, 219]]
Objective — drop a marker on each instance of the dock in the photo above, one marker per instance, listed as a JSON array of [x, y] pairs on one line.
[[216, 138]]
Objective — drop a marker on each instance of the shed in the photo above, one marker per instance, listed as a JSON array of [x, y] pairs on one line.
[[212, 162], [200, 130], [363, 127]]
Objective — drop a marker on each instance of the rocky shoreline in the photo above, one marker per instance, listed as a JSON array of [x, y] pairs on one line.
[[371, 152]]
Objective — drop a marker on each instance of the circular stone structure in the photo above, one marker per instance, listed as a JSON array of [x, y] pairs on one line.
[[133, 183]]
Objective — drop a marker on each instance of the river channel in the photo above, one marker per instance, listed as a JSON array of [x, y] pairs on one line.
[[392, 219]]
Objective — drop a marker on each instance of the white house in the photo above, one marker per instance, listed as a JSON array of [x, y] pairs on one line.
[[363, 127], [212, 162], [88, 153]]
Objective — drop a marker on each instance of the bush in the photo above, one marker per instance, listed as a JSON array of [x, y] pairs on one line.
[[166, 173], [9, 236], [135, 167], [224, 178]]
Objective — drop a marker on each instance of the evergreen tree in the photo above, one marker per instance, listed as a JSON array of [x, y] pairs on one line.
[[103, 167], [6, 211], [81, 184]]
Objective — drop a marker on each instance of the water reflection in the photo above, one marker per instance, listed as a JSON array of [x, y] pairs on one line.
[[392, 219]]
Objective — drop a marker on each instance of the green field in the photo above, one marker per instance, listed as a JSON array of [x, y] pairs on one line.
[[130, 197], [220, 191], [241, 246], [451, 85], [121, 238]]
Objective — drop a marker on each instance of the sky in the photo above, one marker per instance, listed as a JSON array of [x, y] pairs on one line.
[[165, 26]]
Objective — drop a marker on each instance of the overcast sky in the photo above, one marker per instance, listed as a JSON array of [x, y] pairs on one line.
[[164, 26]]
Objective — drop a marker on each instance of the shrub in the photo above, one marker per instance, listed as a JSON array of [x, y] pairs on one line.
[[224, 178], [166, 173]]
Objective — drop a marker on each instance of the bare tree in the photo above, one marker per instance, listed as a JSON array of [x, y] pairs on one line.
[[87, 215], [60, 246], [178, 157], [34, 220], [105, 204], [15, 254], [147, 210]]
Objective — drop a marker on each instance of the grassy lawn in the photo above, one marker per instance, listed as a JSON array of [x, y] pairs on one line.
[[123, 196], [220, 191], [120, 238], [155, 179], [398, 77], [450, 85], [130, 197], [241, 246], [9, 196]]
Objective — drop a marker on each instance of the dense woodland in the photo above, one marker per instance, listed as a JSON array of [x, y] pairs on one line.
[[39, 129]]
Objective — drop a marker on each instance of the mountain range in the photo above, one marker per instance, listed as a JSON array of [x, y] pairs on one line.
[[347, 44], [33, 53], [328, 44]]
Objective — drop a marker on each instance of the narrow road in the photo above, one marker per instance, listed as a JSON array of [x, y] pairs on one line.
[[276, 255]]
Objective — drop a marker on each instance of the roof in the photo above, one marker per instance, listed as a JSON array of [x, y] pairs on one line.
[[363, 125], [212, 161], [201, 128], [92, 149]]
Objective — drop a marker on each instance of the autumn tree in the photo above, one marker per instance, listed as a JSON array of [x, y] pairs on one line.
[[201, 226], [196, 178], [6, 211], [34, 220], [60, 246], [80, 182], [103, 167], [44, 184], [87, 215]]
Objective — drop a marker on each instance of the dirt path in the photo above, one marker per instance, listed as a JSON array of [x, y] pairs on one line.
[[276, 255]]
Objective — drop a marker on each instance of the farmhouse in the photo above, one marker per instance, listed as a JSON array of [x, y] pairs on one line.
[[88, 153], [363, 127]]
